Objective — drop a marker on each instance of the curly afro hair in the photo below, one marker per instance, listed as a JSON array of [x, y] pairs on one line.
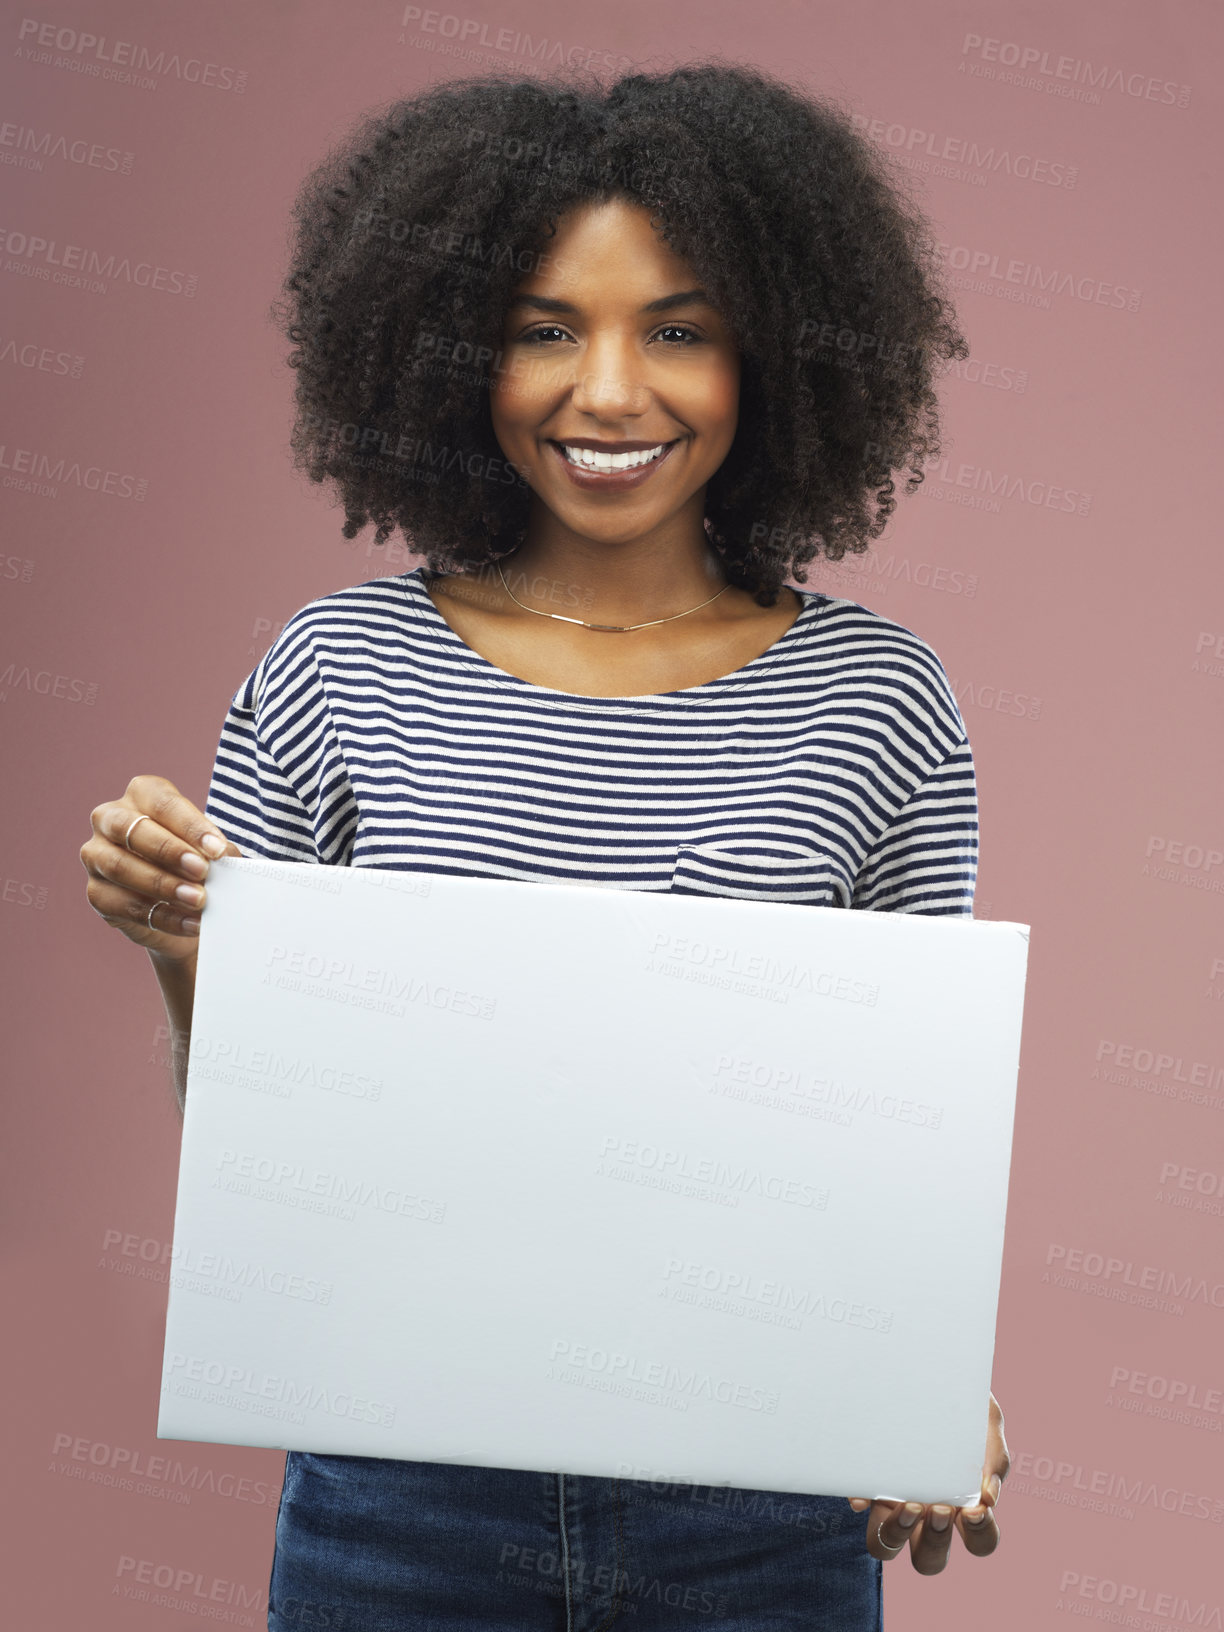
[[411, 237]]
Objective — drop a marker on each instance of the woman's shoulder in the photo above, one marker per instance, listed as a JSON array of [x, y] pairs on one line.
[[351, 612], [354, 606], [356, 615], [860, 630], [858, 646]]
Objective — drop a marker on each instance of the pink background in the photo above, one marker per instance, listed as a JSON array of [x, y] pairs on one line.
[[1075, 616]]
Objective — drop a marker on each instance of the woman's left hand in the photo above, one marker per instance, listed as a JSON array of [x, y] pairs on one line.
[[930, 1544]]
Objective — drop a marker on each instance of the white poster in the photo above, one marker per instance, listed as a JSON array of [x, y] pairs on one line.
[[597, 1181]]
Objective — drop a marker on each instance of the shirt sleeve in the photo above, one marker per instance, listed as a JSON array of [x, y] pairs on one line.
[[251, 798], [926, 859]]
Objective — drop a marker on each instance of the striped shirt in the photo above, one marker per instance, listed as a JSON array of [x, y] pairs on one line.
[[832, 770]]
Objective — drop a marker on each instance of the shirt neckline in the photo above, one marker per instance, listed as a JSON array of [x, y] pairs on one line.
[[414, 585]]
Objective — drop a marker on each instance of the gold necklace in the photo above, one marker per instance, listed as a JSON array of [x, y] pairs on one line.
[[613, 628]]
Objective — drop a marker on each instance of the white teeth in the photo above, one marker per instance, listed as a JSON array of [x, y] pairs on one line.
[[590, 460]]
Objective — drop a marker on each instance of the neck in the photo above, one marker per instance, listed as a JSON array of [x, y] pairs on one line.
[[615, 582]]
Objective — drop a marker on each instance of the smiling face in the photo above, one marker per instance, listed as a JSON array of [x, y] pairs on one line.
[[611, 345]]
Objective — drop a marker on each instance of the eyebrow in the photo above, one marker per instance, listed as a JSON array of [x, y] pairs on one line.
[[548, 303]]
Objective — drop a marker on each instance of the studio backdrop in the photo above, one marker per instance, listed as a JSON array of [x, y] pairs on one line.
[[1061, 557]]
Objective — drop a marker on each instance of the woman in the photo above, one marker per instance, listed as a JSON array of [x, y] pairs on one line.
[[617, 362]]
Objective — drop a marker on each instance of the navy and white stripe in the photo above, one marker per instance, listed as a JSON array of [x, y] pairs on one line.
[[834, 769]]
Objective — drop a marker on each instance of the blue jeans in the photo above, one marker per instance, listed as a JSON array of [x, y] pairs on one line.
[[365, 1544]]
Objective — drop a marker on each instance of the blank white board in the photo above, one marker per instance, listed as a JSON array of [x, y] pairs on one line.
[[591, 1180]]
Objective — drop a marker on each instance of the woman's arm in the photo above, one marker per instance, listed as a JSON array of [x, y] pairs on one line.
[[147, 862], [251, 794], [176, 977]]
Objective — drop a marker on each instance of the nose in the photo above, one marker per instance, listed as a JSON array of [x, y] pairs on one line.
[[609, 382]]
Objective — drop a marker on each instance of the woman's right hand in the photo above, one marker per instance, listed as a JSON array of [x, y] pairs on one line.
[[167, 854]]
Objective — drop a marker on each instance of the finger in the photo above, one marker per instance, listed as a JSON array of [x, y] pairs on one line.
[[161, 801], [888, 1533], [122, 909], [110, 863], [998, 1461], [138, 833], [933, 1539], [859, 1503], [980, 1537]]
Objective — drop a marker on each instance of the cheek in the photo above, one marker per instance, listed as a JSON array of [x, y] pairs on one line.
[[512, 410], [719, 400]]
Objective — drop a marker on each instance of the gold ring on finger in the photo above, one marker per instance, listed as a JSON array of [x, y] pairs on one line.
[[880, 1542], [128, 834]]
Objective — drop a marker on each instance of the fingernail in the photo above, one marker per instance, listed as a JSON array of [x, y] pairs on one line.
[[859, 1503], [996, 1485], [940, 1517], [190, 894], [909, 1515], [191, 926], [975, 1515], [212, 845], [193, 864]]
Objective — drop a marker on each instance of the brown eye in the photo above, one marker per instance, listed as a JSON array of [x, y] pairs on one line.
[[536, 336]]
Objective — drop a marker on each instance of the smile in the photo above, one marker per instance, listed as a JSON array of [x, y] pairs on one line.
[[616, 470], [590, 460]]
